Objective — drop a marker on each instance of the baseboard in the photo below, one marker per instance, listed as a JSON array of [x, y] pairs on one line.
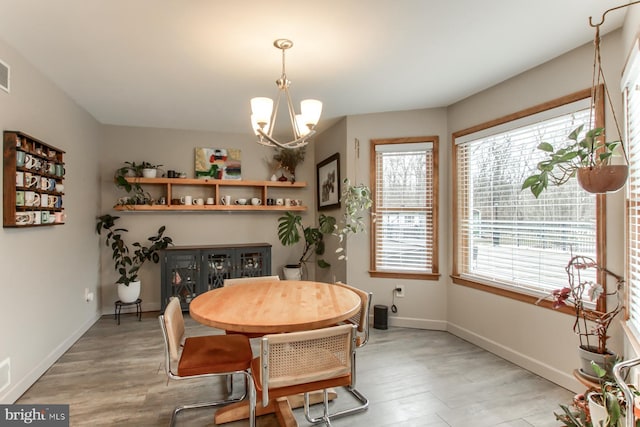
[[409, 322], [545, 371], [14, 392]]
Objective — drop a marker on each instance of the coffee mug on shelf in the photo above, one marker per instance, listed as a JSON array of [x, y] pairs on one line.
[[20, 158], [210, 201], [241, 201], [199, 201], [31, 198], [60, 188], [45, 184], [44, 218], [31, 180], [256, 201], [186, 200], [58, 202], [279, 202], [271, 202], [19, 198], [59, 169], [53, 200], [37, 217], [44, 200], [225, 200], [19, 179], [287, 202], [59, 217], [23, 218]]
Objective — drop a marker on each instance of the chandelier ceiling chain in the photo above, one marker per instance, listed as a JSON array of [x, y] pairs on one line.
[[264, 112]]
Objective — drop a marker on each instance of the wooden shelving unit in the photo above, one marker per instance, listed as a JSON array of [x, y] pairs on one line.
[[216, 188], [47, 163]]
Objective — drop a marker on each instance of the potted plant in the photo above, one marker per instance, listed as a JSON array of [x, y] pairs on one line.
[[288, 159], [149, 170], [127, 262], [605, 405], [136, 194], [590, 325], [587, 158], [355, 199], [290, 231]]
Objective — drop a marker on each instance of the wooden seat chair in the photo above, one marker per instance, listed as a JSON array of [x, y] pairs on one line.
[[239, 280], [302, 362], [361, 321], [204, 356]]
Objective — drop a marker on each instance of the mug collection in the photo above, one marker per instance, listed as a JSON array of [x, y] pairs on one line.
[[38, 186], [227, 200]]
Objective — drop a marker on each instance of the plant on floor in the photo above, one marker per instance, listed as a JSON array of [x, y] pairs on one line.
[[599, 406], [127, 262], [564, 162], [290, 230]]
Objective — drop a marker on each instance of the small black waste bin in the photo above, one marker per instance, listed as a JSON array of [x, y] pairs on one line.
[[380, 316]]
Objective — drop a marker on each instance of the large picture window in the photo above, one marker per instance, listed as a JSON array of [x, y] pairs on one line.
[[506, 240], [405, 217], [631, 91]]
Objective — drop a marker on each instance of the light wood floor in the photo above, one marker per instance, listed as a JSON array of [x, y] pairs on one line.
[[114, 375]]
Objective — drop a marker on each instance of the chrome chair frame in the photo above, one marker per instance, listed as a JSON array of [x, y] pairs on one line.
[[248, 382]]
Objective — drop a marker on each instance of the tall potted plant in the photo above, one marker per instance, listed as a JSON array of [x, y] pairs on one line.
[[356, 199], [127, 262], [590, 325]]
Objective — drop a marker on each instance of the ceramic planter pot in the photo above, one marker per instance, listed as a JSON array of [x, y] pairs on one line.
[[149, 173], [129, 293], [292, 272], [603, 179], [605, 361]]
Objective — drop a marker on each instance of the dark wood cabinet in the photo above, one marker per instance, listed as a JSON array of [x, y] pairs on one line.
[[33, 178], [188, 271]]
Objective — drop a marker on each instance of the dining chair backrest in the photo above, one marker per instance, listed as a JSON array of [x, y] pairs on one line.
[[361, 318], [298, 358], [239, 280], [174, 325]]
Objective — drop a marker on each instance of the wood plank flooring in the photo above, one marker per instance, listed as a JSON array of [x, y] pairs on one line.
[[114, 375]]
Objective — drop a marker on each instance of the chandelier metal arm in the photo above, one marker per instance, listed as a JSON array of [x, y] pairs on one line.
[[296, 143]]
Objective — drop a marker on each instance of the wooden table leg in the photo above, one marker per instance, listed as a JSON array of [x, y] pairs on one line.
[[285, 413], [240, 410]]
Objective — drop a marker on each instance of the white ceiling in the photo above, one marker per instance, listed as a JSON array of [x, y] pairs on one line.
[[194, 64]]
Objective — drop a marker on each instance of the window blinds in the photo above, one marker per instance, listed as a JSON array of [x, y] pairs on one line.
[[505, 236], [631, 90], [403, 227]]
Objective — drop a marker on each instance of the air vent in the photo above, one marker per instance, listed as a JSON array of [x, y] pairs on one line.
[[4, 76]]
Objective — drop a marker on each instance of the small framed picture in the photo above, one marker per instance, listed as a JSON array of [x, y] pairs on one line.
[[328, 179]]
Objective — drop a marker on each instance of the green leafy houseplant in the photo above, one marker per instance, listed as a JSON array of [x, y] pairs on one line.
[[355, 199], [136, 194], [290, 230], [563, 162], [127, 262]]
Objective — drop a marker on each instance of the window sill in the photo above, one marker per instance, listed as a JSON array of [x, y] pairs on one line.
[[529, 299], [404, 275]]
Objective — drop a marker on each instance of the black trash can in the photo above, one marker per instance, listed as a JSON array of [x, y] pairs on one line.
[[380, 316]]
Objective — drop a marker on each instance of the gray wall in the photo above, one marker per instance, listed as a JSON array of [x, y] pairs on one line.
[[174, 149], [46, 270]]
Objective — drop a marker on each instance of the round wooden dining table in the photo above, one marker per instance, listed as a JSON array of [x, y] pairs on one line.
[[274, 306]]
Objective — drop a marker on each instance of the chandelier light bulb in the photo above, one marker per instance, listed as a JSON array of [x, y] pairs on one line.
[[261, 108], [311, 110]]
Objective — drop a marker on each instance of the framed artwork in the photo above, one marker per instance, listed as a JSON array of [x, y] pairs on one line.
[[328, 178], [218, 163]]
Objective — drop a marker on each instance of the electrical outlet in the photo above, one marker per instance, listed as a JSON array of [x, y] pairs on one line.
[[399, 290]]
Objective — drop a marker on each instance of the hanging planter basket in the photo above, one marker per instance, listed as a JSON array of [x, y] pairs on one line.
[[603, 178]]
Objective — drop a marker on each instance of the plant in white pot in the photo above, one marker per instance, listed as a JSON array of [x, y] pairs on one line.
[[590, 325], [128, 262]]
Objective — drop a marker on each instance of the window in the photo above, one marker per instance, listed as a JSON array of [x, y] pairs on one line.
[[631, 92], [505, 240], [405, 216]]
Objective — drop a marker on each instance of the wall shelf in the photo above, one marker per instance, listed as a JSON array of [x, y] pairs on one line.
[[215, 188]]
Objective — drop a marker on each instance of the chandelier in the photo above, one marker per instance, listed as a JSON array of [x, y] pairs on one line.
[[263, 112]]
